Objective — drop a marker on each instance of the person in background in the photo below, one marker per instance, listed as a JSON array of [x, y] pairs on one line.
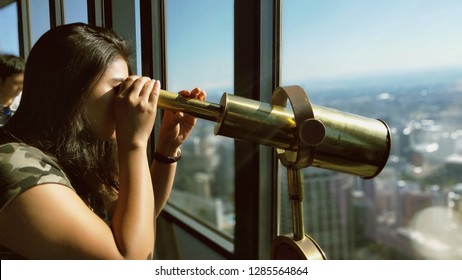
[[75, 180], [11, 80]]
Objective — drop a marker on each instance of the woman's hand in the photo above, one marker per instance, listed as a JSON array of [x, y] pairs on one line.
[[135, 111], [176, 126]]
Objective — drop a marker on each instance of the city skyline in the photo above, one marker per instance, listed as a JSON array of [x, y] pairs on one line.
[[381, 218]]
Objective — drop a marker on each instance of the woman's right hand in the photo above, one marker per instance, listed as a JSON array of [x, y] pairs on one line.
[[135, 111]]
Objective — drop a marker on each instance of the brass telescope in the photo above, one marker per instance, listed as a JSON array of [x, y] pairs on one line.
[[343, 142], [307, 135]]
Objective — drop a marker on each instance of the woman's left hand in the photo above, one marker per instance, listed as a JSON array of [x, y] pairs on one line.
[[176, 126]]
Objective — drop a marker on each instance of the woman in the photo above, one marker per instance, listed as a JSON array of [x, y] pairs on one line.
[[75, 182]]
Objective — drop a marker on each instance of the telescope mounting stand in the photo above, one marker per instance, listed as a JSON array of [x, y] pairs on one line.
[[309, 133]]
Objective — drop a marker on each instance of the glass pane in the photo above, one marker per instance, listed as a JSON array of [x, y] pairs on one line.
[[39, 18], [200, 54], [399, 61], [9, 35], [75, 11]]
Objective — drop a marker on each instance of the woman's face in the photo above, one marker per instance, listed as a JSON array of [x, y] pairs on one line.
[[100, 106]]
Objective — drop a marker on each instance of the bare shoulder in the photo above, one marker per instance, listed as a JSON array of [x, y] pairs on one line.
[[50, 221]]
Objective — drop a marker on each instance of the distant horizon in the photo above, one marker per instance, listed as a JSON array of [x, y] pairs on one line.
[[409, 78], [427, 76], [388, 73]]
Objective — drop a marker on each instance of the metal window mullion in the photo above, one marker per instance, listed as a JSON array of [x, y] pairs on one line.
[[100, 13], [270, 76], [24, 28], [56, 13], [255, 76], [124, 22], [153, 55]]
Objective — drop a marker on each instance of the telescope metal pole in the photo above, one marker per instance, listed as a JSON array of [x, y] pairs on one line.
[[295, 185]]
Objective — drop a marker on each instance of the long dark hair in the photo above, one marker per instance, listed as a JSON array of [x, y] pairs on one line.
[[63, 68]]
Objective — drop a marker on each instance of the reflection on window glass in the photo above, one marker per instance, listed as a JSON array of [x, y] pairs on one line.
[[39, 18], [75, 11], [399, 61], [204, 184], [9, 36]]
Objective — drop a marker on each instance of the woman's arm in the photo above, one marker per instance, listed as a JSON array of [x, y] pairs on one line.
[[175, 129], [162, 180], [133, 220], [51, 221]]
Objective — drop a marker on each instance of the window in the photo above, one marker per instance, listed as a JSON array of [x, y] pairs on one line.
[[399, 61], [204, 184], [39, 18], [9, 38], [75, 11]]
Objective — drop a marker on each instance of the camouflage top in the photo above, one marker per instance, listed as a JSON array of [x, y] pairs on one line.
[[22, 167]]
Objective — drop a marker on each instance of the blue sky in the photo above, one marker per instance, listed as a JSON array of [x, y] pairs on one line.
[[333, 38], [200, 44], [8, 31], [321, 39]]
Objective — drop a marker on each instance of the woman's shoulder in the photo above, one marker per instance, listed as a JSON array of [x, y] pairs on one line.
[[23, 166]]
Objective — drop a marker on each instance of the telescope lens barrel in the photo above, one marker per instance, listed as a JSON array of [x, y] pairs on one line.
[[353, 144]]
